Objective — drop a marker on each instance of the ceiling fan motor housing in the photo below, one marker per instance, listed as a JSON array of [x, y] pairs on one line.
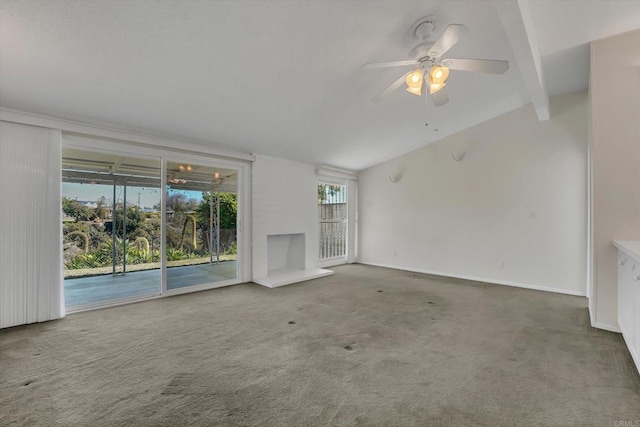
[[421, 54], [423, 30], [424, 27]]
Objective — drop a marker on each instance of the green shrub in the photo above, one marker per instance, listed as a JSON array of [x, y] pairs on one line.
[[174, 254], [233, 249], [84, 261], [103, 256]]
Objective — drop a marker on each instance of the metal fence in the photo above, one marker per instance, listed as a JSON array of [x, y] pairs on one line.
[[333, 239], [332, 212]]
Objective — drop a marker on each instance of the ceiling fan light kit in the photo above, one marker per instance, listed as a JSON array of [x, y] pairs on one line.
[[435, 87], [415, 90], [439, 73], [414, 82], [427, 57], [438, 76]]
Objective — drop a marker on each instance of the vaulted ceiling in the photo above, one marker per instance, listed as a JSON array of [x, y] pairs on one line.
[[283, 78]]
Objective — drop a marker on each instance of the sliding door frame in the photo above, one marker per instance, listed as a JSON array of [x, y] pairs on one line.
[[113, 149], [165, 154], [241, 244]]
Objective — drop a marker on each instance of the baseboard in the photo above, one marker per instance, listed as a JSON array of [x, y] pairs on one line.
[[606, 327], [599, 325], [481, 279], [634, 355], [592, 316], [332, 262]]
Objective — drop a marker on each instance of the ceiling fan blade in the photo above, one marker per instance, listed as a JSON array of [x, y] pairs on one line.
[[387, 64], [440, 97], [449, 37], [393, 86], [478, 65]]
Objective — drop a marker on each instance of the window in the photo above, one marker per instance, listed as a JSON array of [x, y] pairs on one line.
[[332, 213]]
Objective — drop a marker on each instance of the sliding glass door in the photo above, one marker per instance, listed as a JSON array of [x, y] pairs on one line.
[[111, 227], [141, 225], [201, 216]]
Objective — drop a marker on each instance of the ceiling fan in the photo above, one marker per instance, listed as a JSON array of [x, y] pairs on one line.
[[431, 68]]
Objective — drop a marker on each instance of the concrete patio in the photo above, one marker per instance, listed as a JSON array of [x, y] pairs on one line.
[[95, 289]]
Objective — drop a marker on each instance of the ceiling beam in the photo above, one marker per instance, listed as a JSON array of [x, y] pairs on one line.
[[115, 167], [518, 24]]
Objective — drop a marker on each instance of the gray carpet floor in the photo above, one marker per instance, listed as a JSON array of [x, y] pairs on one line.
[[367, 346]]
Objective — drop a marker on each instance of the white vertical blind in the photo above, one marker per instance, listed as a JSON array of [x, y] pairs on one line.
[[30, 225]]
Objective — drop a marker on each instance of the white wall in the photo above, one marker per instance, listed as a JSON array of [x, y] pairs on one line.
[[615, 151], [284, 201], [518, 198]]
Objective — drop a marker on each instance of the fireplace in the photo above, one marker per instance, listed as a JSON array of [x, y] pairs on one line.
[[286, 261], [285, 253]]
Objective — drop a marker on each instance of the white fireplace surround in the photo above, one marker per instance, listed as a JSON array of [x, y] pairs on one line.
[[286, 261], [285, 253]]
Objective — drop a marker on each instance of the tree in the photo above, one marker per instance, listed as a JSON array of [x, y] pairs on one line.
[[77, 210], [228, 211], [101, 211], [135, 218], [326, 191], [179, 203], [228, 214]]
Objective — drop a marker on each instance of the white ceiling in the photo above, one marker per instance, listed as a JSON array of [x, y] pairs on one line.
[[281, 78], [564, 30]]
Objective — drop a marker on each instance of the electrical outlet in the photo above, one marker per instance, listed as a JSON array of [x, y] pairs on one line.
[[533, 214]]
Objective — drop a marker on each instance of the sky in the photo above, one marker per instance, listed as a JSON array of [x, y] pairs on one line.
[[92, 192]]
